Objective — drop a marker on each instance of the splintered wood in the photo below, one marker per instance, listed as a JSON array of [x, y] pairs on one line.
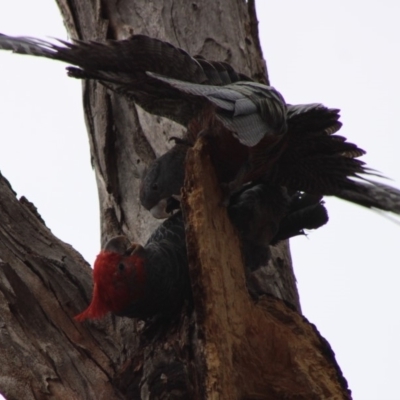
[[247, 350]]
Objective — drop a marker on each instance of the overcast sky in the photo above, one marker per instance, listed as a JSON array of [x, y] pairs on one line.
[[344, 54]]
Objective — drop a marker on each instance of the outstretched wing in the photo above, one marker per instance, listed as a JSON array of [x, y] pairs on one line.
[[126, 66], [167, 81], [131, 57]]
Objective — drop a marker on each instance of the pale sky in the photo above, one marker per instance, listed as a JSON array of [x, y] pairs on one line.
[[344, 54]]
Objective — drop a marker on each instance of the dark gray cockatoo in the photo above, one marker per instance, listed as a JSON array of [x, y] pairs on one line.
[[253, 134]]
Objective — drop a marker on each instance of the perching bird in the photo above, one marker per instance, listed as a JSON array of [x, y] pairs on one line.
[[142, 282], [254, 135]]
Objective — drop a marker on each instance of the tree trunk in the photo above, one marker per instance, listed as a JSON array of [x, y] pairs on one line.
[[229, 348]]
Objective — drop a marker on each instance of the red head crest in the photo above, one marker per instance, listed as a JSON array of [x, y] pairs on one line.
[[116, 274]]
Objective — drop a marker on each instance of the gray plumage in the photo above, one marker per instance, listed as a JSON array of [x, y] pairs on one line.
[[167, 81], [302, 151]]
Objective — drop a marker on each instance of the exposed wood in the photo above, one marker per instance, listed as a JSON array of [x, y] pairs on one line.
[[247, 351]]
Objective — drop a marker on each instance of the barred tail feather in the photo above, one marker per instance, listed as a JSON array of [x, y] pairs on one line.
[[372, 194]]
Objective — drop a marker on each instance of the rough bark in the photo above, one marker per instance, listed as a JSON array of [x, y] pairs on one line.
[[44, 282]]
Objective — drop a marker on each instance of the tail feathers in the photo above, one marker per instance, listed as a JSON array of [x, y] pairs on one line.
[[372, 194], [316, 159], [305, 212], [313, 118]]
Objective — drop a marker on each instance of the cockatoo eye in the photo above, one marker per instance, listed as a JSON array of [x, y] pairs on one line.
[[121, 267]]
